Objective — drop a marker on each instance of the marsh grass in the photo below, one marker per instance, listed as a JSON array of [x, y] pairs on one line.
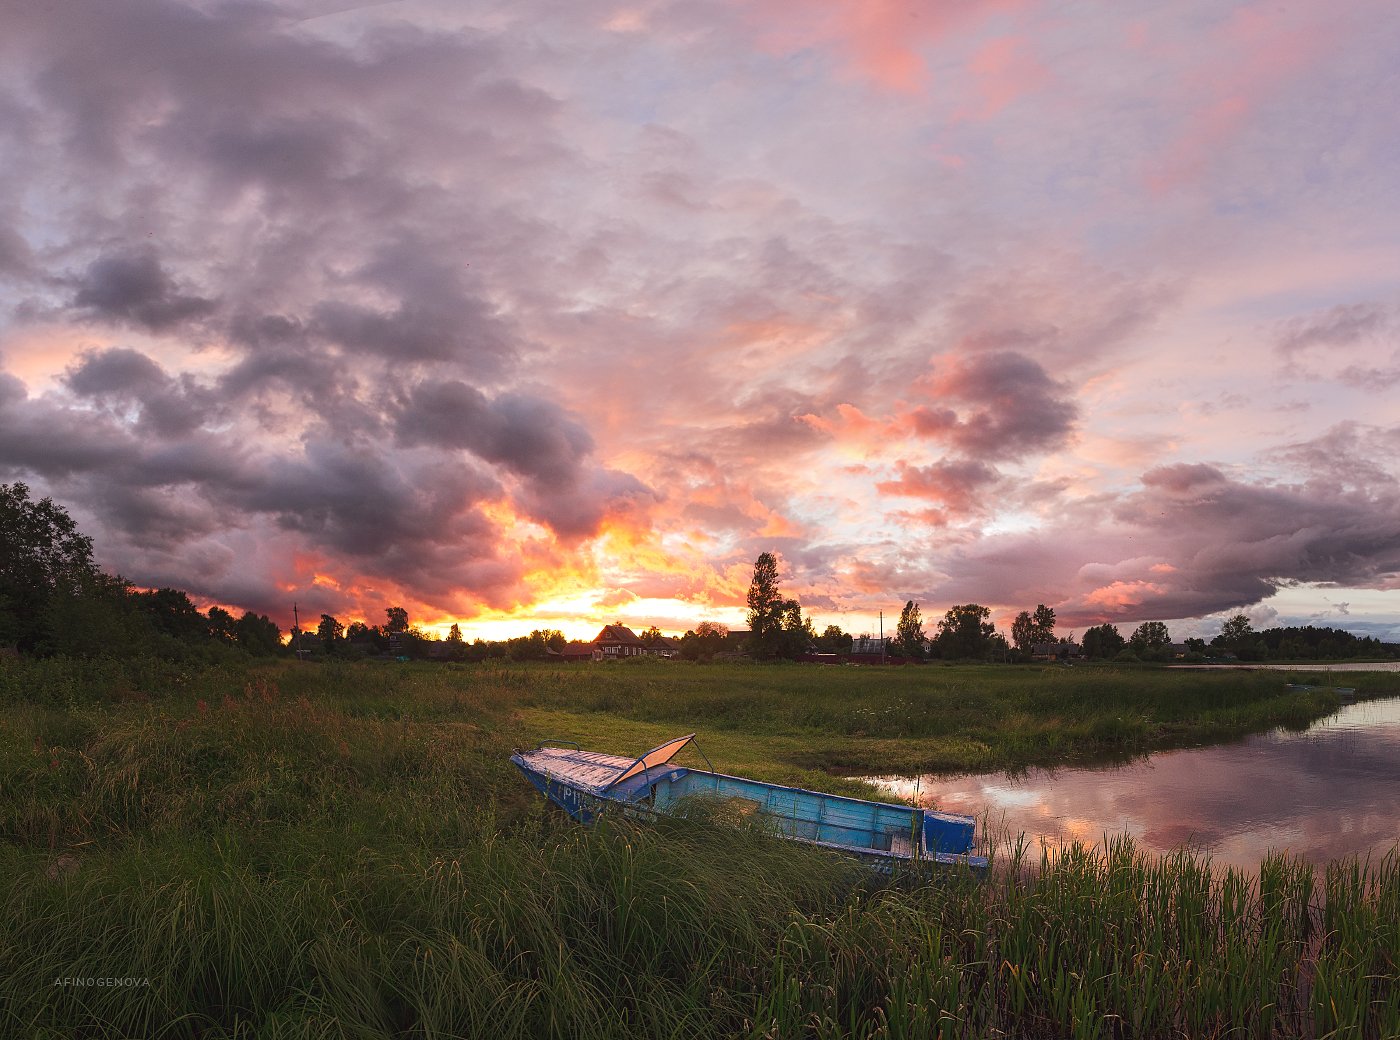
[[346, 852]]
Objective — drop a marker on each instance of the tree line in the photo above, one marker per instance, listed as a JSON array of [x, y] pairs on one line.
[[54, 600], [778, 629]]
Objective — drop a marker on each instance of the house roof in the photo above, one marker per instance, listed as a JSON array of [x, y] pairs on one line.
[[618, 634]]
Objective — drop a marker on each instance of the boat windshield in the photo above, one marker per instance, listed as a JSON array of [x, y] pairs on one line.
[[655, 757]]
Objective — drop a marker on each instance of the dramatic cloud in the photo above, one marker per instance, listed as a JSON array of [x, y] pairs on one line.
[[509, 312], [135, 289]]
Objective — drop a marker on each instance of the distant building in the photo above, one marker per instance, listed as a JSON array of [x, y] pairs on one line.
[[617, 641], [577, 650], [1060, 650], [663, 647], [870, 650]]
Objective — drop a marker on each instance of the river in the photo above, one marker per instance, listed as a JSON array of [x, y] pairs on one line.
[[1326, 792]]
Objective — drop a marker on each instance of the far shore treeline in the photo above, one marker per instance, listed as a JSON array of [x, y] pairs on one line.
[[55, 601]]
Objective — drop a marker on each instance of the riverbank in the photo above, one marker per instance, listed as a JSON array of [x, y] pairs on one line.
[[306, 850]]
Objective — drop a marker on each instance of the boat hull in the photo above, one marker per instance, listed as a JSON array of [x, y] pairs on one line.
[[585, 786]]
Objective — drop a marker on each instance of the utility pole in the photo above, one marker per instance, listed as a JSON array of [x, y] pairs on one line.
[[296, 631], [882, 637]]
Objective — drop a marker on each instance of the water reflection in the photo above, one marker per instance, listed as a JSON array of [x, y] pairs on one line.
[[1328, 791]]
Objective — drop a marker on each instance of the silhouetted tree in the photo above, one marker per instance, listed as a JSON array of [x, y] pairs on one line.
[[835, 641], [766, 607], [1236, 635], [1150, 641], [330, 631], [797, 634], [171, 612], [41, 553], [222, 626], [397, 619], [258, 635], [1023, 631], [1028, 629], [966, 631], [704, 642], [1103, 641], [909, 633]]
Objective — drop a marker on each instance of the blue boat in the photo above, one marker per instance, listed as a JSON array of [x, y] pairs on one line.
[[587, 784]]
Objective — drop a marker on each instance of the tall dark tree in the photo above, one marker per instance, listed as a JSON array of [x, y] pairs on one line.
[[258, 635], [1103, 641], [222, 626], [95, 617], [797, 635], [909, 634], [1150, 640], [766, 607], [835, 641], [330, 631], [397, 619], [704, 642], [1235, 633], [171, 612], [966, 631], [41, 553], [1023, 631], [1031, 629]]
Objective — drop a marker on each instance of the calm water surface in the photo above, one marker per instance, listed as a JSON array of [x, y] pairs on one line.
[[1323, 793]]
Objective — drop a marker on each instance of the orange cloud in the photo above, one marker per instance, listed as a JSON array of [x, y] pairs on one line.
[[1123, 595]]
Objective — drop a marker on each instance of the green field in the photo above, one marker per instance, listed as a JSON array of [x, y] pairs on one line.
[[323, 850]]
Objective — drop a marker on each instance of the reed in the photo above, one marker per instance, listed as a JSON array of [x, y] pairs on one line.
[[347, 852]]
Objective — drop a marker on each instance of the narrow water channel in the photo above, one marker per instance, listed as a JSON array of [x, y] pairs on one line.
[[1326, 792]]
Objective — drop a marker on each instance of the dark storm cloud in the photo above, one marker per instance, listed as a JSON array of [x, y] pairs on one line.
[[333, 217], [135, 289], [1192, 541], [167, 406], [117, 370], [530, 436], [1009, 408]]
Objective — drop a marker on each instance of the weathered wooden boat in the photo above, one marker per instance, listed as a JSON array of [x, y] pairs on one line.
[[587, 784]]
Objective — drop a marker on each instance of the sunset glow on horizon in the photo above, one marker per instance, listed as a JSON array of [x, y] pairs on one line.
[[535, 316]]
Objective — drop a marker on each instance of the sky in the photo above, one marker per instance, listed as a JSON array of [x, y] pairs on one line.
[[548, 315]]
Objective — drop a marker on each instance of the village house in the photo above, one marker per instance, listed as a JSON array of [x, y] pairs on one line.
[[1060, 650], [665, 646], [576, 650], [615, 642]]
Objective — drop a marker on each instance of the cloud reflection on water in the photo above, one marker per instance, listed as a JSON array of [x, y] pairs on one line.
[[1327, 792]]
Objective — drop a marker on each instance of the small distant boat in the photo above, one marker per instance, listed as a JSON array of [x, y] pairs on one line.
[[586, 784]]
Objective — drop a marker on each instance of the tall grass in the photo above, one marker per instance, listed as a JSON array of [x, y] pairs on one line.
[[691, 930], [346, 852]]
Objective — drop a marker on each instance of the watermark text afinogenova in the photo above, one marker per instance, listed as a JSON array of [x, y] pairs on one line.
[[113, 981]]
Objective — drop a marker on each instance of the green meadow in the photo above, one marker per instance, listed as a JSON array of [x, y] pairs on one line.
[[345, 851]]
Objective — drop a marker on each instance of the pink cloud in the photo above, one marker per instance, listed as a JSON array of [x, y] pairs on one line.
[[1004, 70], [880, 41], [1247, 64]]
